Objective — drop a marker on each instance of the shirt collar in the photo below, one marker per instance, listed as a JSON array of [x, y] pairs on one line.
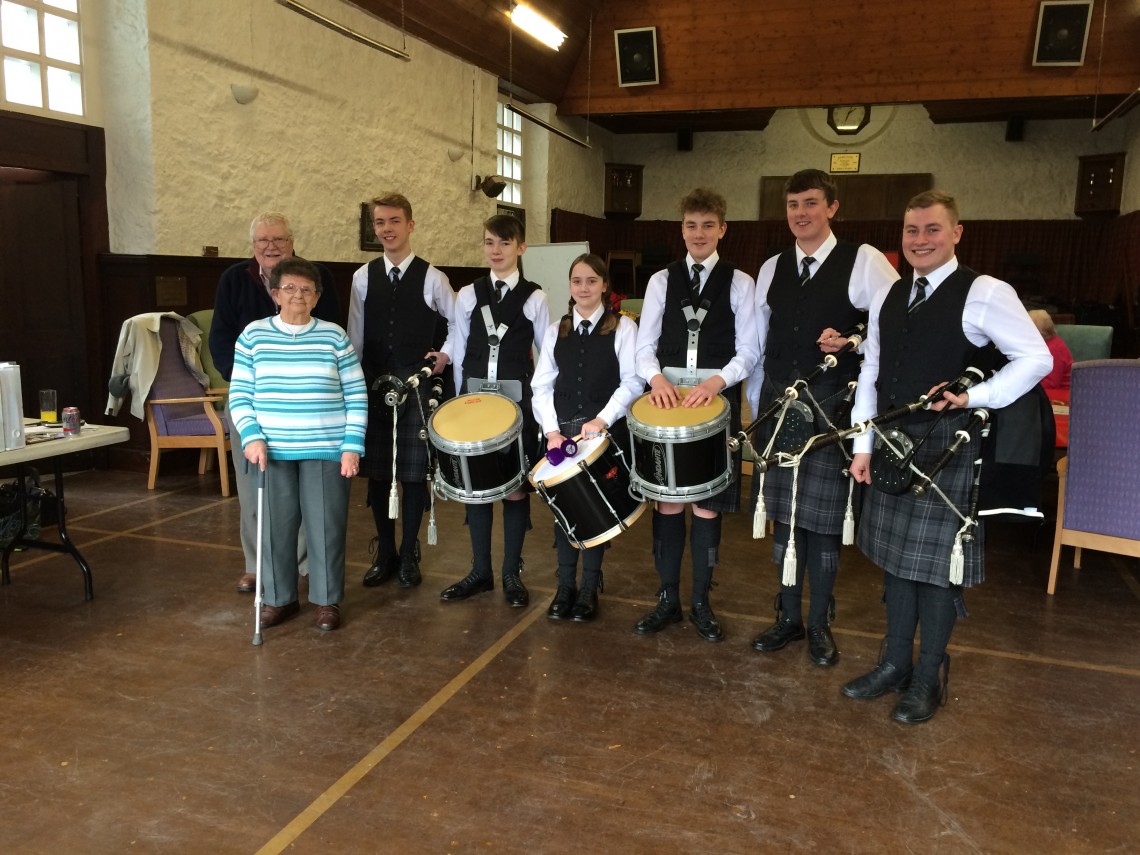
[[708, 264], [402, 266], [940, 274], [512, 279], [593, 319], [820, 255]]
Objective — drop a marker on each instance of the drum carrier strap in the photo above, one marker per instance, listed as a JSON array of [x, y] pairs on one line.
[[494, 338]]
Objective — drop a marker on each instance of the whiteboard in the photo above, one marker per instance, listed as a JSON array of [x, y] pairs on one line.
[[548, 264]]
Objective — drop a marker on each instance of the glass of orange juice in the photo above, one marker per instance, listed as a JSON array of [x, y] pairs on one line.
[[49, 411]]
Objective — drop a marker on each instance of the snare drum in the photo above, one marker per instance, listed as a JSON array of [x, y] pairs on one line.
[[478, 439], [589, 493], [680, 454]]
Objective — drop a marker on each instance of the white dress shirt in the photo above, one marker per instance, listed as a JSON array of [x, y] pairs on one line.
[[740, 299], [546, 373], [993, 313], [438, 296], [535, 310]]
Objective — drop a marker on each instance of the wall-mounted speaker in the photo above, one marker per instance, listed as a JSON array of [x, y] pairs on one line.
[[1062, 32], [685, 139], [1015, 129], [637, 56]]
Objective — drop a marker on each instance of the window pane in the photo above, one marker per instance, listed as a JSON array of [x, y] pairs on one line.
[[21, 27], [61, 39], [516, 145], [22, 82], [65, 91], [499, 112], [68, 5]]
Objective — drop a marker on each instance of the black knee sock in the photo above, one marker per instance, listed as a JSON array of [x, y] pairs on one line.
[[704, 543], [668, 547], [936, 616], [480, 521], [516, 518], [385, 527], [567, 558], [822, 565], [415, 503], [791, 596], [901, 598]]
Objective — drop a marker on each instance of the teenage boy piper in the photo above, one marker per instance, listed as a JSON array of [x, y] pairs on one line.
[[805, 297], [520, 306], [726, 353], [394, 312], [924, 331]]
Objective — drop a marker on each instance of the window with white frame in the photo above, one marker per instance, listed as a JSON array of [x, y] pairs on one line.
[[508, 135], [40, 55]]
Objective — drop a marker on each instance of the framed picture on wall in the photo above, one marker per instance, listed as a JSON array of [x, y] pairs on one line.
[[368, 240]]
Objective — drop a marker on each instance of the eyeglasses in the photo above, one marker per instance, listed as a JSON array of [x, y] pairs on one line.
[[303, 290], [263, 243]]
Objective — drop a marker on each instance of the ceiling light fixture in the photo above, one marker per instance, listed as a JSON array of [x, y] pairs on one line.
[[534, 24]]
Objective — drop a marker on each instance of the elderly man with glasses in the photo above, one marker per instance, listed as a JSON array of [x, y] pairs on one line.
[[244, 297]]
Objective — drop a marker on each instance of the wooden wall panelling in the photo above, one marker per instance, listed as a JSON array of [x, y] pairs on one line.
[[861, 197]]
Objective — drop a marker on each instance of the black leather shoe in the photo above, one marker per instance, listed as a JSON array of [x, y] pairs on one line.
[[385, 568], [666, 611], [409, 575], [585, 606], [467, 586], [884, 678], [515, 592], [919, 702], [563, 603], [821, 645], [708, 627], [777, 636]]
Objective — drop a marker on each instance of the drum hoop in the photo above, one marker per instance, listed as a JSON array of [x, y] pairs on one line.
[[681, 495], [480, 446], [570, 471], [614, 531], [479, 497], [641, 430]]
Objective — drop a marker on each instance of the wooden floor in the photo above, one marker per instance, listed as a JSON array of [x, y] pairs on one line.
[[145, 721]]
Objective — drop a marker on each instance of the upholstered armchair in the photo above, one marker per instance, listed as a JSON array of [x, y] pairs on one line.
[[1098, 505]]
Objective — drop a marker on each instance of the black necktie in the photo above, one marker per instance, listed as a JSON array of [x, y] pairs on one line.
[[919, 294], [500, 290], [695, 283], [584, 328], [395, 277], [805, 274]]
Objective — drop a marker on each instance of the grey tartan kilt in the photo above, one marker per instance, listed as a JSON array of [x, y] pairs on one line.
[[912, 537], [411, 450]]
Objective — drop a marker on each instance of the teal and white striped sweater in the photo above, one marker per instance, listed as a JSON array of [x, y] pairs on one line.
[[303, 394]]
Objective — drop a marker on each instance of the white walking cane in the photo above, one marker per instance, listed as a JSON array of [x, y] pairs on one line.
[[257, 586]]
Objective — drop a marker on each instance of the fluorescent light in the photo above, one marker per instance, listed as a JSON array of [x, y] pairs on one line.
[[534, 24]]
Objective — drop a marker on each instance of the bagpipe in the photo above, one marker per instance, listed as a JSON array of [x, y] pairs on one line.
[[392, 393]]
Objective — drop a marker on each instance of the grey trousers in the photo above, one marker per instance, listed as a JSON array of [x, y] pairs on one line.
[[309, 496], [246, 478]]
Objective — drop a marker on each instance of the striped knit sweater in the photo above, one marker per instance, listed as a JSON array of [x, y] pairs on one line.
[[304, 395]]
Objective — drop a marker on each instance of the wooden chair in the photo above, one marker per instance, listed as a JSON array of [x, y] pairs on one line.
[[1098, 505], [181, 414]]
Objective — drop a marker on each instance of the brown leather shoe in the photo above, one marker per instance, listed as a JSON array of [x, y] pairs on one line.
[[328, 618], [273, 615], [247, 584]]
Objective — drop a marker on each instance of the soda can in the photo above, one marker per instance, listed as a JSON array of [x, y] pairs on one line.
[[71, 420]]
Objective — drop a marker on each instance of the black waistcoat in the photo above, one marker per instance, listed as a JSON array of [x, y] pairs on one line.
[[918, 350], [800, 313], [717, 343], [588, 373], [514, 350], [398, 328]]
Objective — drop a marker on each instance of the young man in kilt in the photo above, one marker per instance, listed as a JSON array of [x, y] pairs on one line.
[[726, 352], [397, 312], [805, 298], [924, 331]]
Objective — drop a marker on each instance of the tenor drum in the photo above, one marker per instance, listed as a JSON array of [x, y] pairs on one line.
[[589, 493], [478, 439], [680, 454]]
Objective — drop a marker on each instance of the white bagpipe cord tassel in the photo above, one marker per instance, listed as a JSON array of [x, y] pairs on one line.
[[760, 518], [790, 561], [849, 515], [393, 495], [957, 559]]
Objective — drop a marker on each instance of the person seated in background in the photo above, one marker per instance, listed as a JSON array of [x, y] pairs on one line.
[[1057, 380]]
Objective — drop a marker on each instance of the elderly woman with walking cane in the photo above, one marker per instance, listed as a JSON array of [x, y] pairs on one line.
[[300, 405]]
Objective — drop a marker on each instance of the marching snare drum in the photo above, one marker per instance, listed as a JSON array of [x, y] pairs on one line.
[[478, 439], [589, 493], [680, 454]]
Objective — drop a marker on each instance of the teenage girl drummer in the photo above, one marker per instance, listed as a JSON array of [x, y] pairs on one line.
[[585, 380]]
